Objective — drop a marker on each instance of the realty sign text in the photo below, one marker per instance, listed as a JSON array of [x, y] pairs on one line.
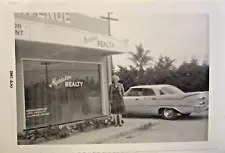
[[67, 83], [99, 43]]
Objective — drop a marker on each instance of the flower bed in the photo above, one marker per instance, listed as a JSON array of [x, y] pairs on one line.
[[53, 132]]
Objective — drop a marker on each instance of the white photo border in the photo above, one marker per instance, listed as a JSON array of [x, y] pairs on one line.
[[8, 116]]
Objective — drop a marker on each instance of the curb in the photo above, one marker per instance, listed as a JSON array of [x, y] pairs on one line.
[[120, 134]]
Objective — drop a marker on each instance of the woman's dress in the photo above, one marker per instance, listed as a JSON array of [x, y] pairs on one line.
[[116, 98]]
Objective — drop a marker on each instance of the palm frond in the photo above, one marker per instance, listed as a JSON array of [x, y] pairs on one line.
[[135, 62]]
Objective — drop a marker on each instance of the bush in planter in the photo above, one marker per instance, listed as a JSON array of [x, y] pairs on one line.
[[21, 135]]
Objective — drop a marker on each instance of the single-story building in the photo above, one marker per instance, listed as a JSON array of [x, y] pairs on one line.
[[63, 68]]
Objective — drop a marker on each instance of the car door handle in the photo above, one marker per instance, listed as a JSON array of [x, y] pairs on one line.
[[136, 99], [153, 98]]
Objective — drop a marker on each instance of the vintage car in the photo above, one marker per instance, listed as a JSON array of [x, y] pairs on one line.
[[165, 100]]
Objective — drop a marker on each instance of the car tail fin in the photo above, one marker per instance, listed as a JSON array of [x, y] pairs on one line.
[[189, 95]]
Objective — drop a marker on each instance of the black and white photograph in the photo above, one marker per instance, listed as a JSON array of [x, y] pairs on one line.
[[111, 77]]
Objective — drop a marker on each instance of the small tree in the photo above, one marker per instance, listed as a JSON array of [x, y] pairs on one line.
[[164, 70], [140, 59], [165, 63]]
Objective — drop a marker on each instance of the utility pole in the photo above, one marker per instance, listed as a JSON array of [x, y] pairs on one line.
[[109, 19], [109, 59]]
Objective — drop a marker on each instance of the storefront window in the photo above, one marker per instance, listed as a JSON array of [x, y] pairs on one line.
[[61, 92]]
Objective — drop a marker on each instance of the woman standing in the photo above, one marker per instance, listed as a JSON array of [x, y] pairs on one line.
[[116, 92]]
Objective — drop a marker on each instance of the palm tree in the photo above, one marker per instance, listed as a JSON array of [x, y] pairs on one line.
[[140, 59]]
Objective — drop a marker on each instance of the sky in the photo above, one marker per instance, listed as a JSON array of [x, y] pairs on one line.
[[179, 36]]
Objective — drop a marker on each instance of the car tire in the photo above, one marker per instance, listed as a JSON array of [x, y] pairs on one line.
[[169, 113], [185, 115]]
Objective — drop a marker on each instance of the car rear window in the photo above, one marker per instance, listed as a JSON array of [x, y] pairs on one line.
[[161, 92], [171, 90]]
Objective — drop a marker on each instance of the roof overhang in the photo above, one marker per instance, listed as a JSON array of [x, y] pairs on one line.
[[44, 33]]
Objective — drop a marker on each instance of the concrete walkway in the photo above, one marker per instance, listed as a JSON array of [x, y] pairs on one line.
[[192, 128], [101, 135]]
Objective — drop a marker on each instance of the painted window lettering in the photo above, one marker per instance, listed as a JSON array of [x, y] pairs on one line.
[[55, 82], [37, 112], [73, 84]]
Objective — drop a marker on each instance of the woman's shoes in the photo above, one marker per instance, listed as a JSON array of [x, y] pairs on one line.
[[120, 124]]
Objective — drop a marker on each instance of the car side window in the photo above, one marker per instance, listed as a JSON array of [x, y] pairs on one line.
[[134, 92], [148, 92], [161, 92]]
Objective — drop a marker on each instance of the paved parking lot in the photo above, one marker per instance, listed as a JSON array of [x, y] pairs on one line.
[[192, 128]]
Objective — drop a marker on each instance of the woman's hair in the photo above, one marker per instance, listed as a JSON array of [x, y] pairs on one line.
[[115, 77]]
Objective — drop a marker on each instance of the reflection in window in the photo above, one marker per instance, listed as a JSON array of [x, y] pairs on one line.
[[60, 92]]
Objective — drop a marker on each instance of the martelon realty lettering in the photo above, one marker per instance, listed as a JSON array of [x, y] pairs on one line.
[[67, 84], [55, 81]]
